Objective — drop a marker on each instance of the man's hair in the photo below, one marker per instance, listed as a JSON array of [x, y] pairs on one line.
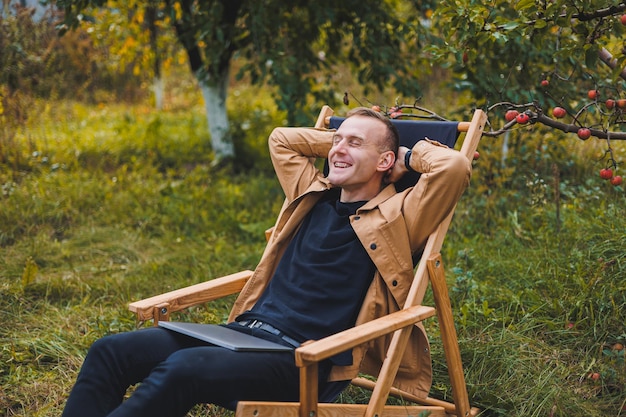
[[391, 141]]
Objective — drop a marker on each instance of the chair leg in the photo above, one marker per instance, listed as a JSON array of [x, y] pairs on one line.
[[308, 390], [388, 372], [448, 335]]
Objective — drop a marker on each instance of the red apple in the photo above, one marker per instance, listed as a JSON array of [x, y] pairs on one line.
[[584, 133], [476, 155], [616, 180], [511, 115], [522, 118], [559, 112], [545, 83], [621, 103], [592, 94], [606, 173], [610, 103], [623, 19]]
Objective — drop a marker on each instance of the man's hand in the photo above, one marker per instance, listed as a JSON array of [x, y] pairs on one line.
[[399, 169]]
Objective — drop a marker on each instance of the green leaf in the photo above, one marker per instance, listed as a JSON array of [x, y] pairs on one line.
[[510, 25], [500, 37], [591, 57], [540, 24], [524, 4]]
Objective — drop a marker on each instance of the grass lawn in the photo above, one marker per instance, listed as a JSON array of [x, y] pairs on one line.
[[103, 205]]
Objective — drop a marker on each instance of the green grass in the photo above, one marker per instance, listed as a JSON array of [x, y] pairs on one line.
[[102, 205]]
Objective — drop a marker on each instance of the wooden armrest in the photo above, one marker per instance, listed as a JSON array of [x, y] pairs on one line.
[[183, 298], [327, 347]]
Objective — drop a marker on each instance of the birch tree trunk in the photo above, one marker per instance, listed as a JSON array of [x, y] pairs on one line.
[[158, 89], [214, 95]]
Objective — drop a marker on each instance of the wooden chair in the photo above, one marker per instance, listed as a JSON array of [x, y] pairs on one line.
[[429, 269]]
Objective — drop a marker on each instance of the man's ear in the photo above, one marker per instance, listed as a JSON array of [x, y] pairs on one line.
[[387, 161]]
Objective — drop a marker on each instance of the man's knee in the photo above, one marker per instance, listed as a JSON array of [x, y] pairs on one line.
[[109, 350], [101, 347]]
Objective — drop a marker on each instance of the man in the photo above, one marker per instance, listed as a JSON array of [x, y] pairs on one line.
[[340, 255]]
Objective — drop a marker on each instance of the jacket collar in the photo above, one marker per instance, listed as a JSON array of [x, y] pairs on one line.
[[322, 184], [386, 193]]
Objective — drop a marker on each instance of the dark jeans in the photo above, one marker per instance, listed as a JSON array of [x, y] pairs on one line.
[[176, 372]]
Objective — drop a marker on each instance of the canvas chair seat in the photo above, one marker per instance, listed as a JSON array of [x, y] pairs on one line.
[[429, 270]]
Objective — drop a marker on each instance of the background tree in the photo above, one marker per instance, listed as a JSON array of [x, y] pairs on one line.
[[549, 53], [559, 63], [139, 40], [287, 44]]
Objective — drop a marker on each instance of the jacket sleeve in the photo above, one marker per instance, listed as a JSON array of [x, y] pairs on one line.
[[294, 152], [445, 176]]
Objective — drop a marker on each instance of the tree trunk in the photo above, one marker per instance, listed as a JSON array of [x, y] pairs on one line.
[[213, 76], [157, 84], [158, 89], [214, 95]]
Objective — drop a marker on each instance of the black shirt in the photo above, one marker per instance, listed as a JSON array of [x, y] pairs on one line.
[[321, 280]]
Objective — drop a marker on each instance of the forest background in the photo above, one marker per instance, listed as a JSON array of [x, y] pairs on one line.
[[114, 187]]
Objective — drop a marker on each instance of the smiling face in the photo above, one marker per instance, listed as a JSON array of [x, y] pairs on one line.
[[358, 160]]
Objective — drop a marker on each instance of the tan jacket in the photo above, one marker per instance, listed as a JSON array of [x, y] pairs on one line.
[[391, 227]]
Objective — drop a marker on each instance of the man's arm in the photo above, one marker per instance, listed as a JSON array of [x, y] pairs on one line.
[[293, 151], [445, 176]]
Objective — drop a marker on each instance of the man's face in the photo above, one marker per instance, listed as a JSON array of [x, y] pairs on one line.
[[356, 161]]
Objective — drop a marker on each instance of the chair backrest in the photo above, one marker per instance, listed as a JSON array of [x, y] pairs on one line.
[[411, 132]]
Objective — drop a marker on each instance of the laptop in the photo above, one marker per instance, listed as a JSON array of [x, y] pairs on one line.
[[223, 336]]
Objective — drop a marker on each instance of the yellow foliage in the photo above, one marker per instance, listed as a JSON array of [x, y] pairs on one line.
[[129, 43], [167, 63], [178, 10], [139, 16]]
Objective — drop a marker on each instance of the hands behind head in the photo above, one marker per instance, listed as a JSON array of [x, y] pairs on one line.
[[399, 169]]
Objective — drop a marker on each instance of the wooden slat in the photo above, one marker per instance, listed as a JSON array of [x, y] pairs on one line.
[[161, 312], [448, 335], [193, 295], [463, 126], [323, 119], [281, 409], [309, 395], [406, 396], [329, 346]]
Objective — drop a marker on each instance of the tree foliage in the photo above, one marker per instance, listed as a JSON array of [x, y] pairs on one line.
[[504, 49], [291, 45], [559, 63]]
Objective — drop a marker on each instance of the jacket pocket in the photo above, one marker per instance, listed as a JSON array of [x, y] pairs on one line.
[[397, 246]]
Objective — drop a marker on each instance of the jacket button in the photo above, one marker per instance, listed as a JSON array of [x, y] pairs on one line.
[[394, 283], [373, 246]]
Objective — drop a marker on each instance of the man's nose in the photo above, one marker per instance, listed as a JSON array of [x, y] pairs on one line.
[[340, 145]]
